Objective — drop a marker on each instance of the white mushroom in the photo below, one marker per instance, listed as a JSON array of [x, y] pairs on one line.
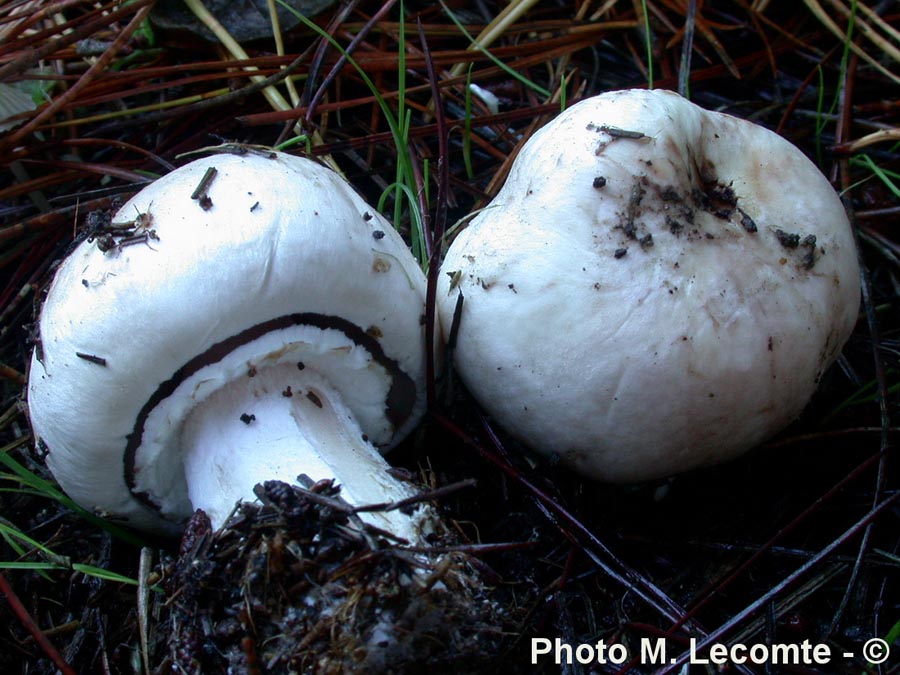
[[244, 318], [655, 288]]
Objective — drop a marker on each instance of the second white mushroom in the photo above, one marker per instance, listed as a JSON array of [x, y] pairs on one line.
[[655, 288]]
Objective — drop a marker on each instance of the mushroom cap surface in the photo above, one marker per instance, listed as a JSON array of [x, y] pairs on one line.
[[655, 287], [274, 260]]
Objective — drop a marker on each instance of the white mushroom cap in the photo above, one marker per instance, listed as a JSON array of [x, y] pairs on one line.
[[274, 268], [656, 287]]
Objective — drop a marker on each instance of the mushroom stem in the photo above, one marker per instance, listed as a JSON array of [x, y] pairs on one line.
[[280, 424]]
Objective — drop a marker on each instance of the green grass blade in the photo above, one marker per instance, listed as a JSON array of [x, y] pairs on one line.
[[399, 126], [884, 175], [467, 127], [10, 533], [48, 490], [509, 71], [648, 42], [88, 570]]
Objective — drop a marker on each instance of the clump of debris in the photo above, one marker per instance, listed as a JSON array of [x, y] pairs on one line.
[[295, 584]]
